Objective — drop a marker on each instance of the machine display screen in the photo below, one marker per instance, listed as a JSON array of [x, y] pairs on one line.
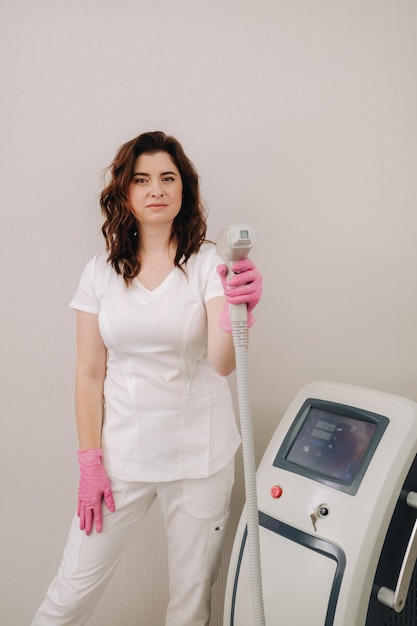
[[331, 446]]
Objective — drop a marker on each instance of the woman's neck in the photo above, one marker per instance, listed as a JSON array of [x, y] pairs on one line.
[[156, 242], [157, 258]]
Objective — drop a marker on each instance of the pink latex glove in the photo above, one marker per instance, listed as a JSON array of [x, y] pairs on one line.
[[243, 285], [93, 487]]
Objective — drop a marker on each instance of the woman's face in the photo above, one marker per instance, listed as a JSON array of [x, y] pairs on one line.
[[155, 192]]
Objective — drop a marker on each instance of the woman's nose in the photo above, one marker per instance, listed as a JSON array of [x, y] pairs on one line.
[[156, 189]]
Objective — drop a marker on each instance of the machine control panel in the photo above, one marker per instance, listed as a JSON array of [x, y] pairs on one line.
[[331, 443]]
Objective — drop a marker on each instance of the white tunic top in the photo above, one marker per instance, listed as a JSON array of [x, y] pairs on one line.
[[168, 414]]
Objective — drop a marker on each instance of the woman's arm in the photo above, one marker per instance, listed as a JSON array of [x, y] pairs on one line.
[[243, 286], [94, 483], [90, 374], [221, 352]]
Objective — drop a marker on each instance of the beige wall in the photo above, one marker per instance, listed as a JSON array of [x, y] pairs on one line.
[[301, 119]]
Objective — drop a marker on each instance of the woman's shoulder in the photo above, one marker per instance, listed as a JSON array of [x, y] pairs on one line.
[[201, 268], [97, 263], [207, 255], [98, 271]]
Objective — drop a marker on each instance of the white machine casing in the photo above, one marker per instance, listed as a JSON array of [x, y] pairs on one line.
[[320, 569]]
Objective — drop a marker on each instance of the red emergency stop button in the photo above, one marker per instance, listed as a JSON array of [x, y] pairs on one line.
[[276, 491]]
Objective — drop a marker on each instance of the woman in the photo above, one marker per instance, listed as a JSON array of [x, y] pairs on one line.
[[154, 412]]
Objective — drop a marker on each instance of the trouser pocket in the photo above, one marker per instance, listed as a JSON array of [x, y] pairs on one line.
[[215, 547]]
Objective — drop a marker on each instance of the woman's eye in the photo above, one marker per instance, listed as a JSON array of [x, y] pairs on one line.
[[168, 179], [140, 180]]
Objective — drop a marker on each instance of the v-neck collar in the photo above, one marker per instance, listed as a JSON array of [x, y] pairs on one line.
[[159, 287]]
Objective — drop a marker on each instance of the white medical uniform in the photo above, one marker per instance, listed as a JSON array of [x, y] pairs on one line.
[[169, 431]]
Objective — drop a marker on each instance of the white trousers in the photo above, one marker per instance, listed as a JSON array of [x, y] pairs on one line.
[[195, 514]]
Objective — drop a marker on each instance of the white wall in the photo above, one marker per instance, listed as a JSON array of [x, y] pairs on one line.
[[301, 119]]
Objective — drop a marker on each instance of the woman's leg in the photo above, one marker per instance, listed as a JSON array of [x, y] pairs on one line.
[[89, 561], [196, 514]]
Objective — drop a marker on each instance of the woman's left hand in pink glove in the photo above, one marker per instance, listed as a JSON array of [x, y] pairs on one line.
[[243, 285]]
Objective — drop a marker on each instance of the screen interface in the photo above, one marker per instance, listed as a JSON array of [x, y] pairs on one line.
[[332, 445]]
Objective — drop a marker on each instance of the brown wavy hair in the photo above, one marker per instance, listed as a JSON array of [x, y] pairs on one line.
[[120, 228]]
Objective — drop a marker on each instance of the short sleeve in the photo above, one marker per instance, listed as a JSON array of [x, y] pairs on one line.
[[85, 297], [214, 287]]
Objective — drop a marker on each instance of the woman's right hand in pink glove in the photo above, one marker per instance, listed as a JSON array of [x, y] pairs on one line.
[[94, 486]]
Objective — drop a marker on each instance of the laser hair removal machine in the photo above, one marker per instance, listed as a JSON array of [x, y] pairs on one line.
[[337, 508]]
